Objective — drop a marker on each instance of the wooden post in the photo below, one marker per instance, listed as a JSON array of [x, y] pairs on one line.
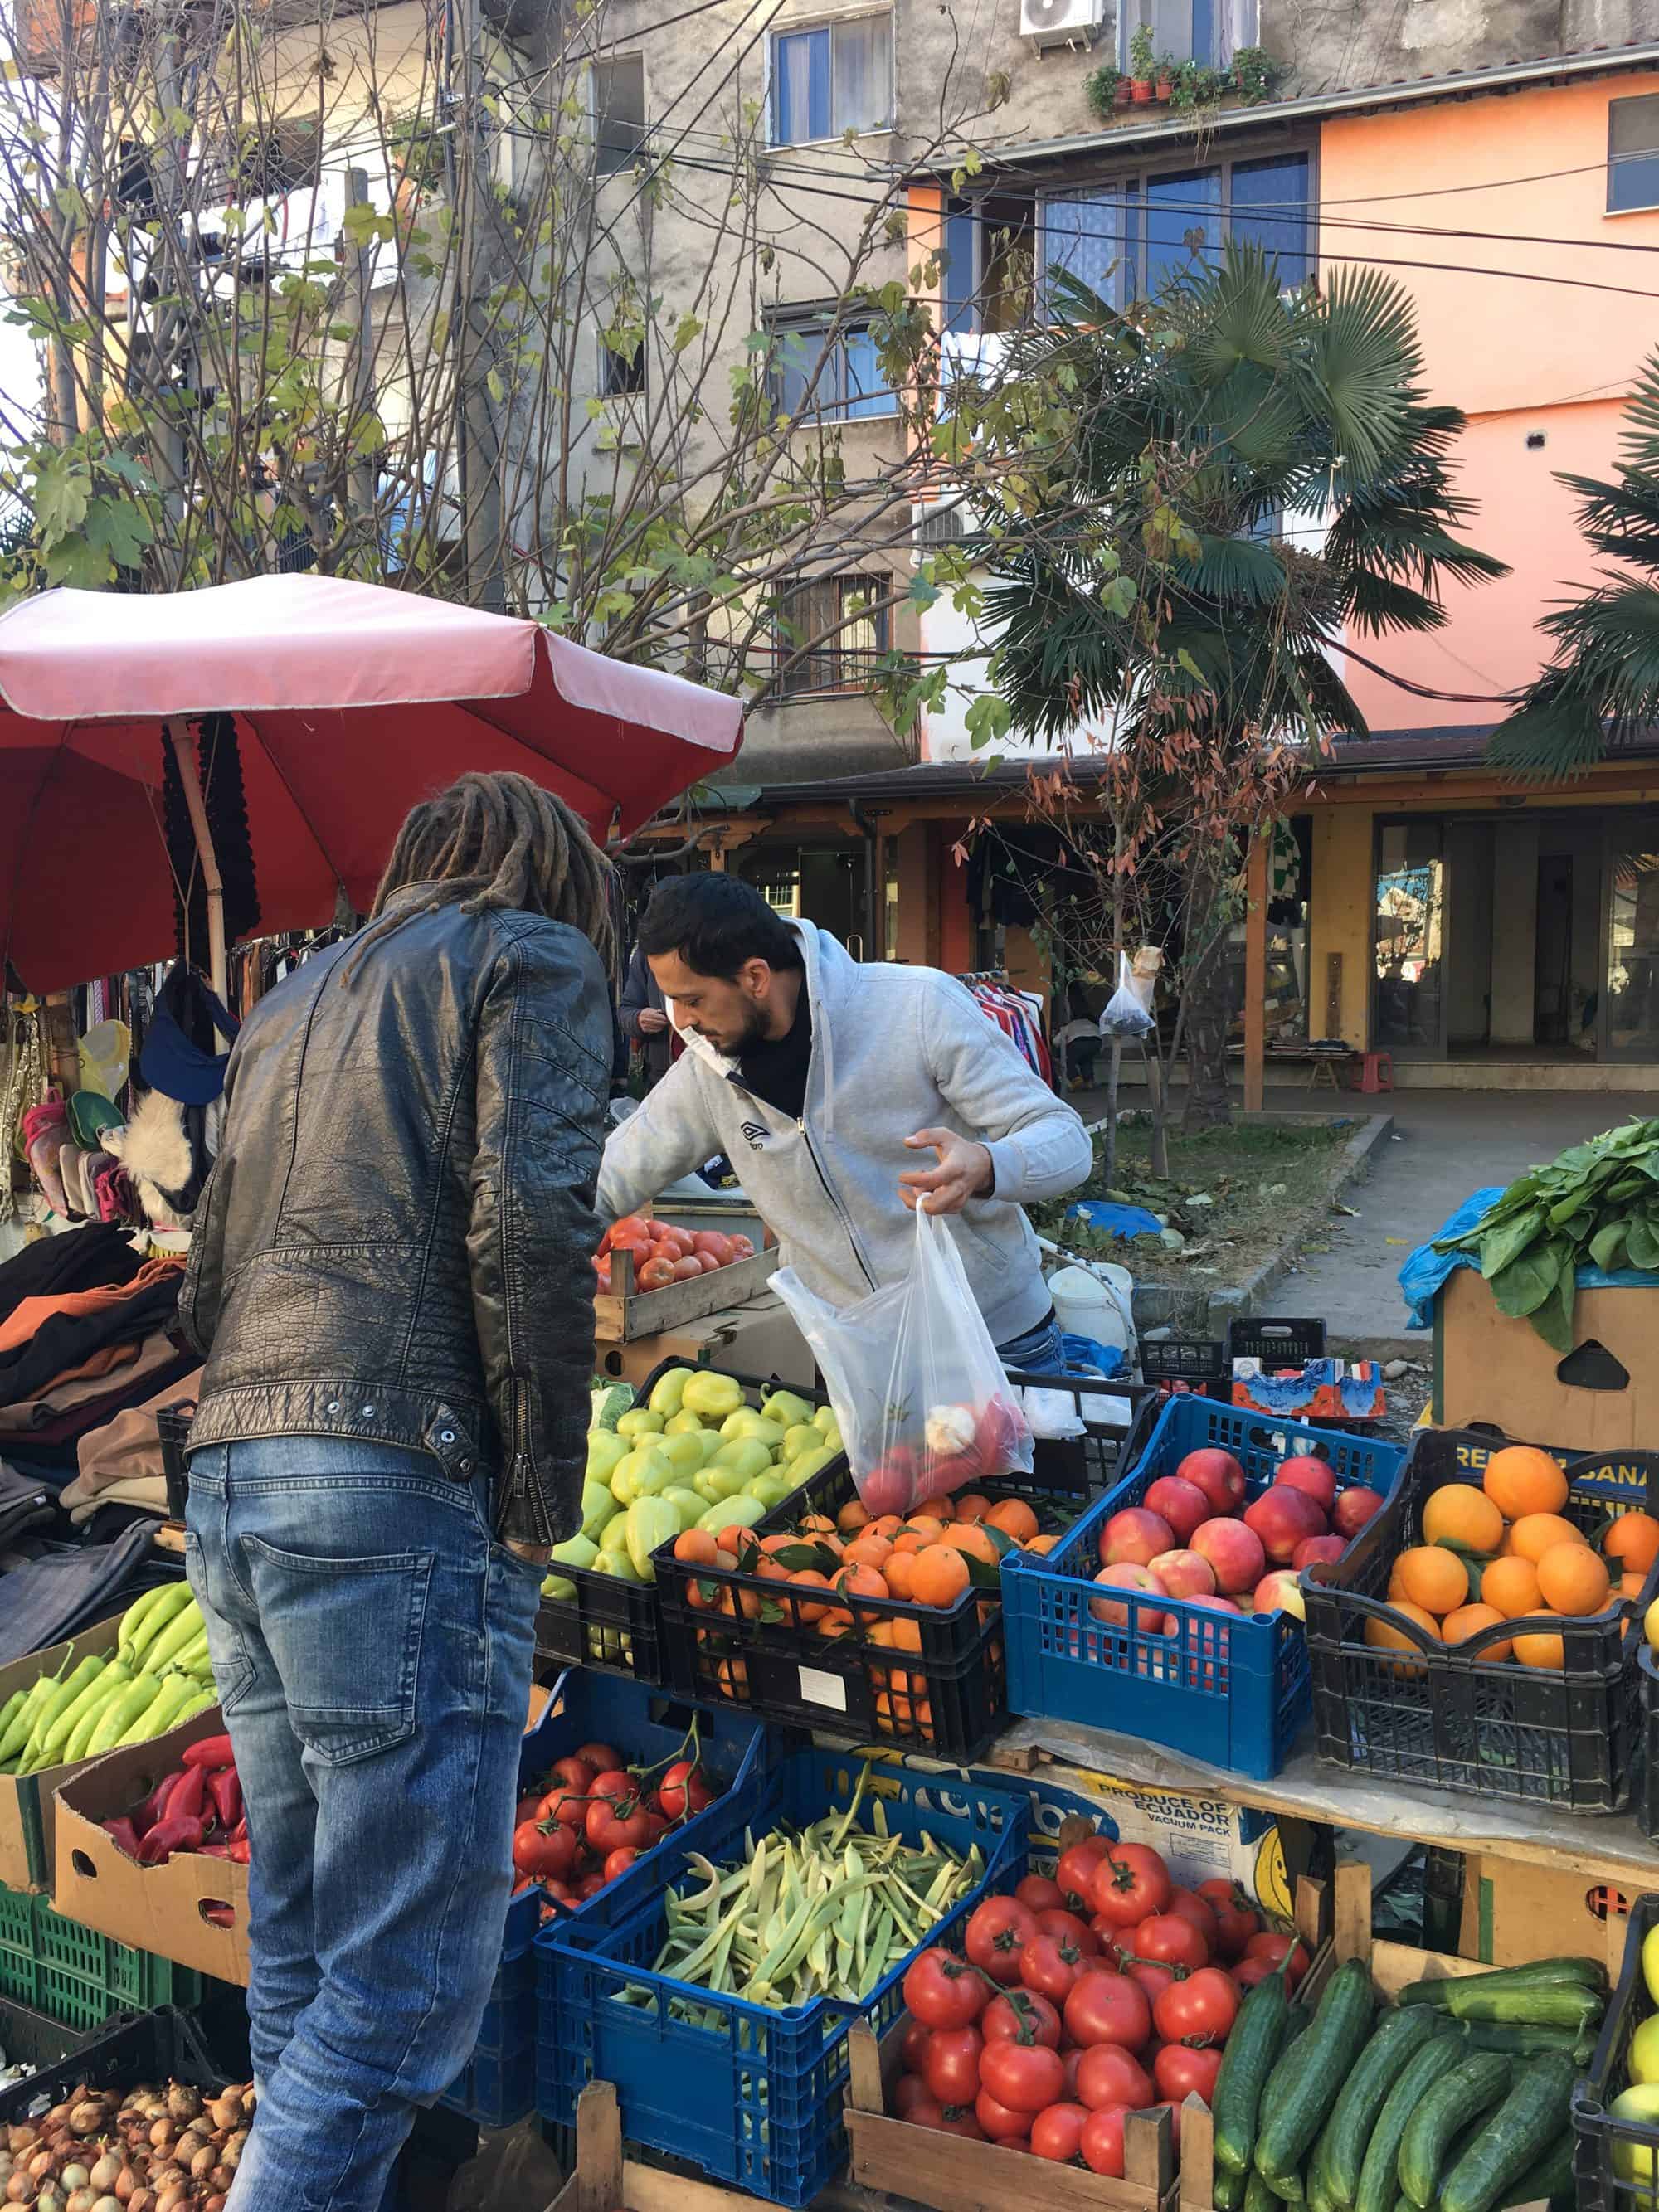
[[1256, 969], [184, 751]]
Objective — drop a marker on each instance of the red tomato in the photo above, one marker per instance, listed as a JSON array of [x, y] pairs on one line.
[[951, 2122], [1200, 1911], [1070, 1930], [1071, 2060], [1050, 1967], [658, 1828], [1076, 1871], [619, 1861], [1108, 2076], [941, 1991], [1022, 2012], [1101, 2141], [1236, 1918], [949, 2066], [599, 1757], [657, 1275], [1152, 1979], [909, 2091], [1039, 1893], [608, 1830], [1169, 1940], [688, 1270], [567, 1807], [615, 1782], [539, 1850], [1024, 2076], [684, 1789], [574, 1773], [1249, 1972], [708, 1243], [630, 1234], [562, 1891], [529, 1808], [590, 1886], [913, 2046], [1001, 2125], [998, 1932], [1057, 2132], [1131, 1883], [742, 1248], [1107, 2008], [602, 1272], [666, 1237], [1179, 2073], [1200, 2010], [1273, 1948]]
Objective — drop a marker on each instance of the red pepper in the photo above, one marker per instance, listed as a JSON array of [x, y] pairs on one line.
[[239, 1852], [144, 1817], [219, 1915], [178, 1832], [212, 1751], [189, 1798], [226, 1792], [125, 1835], [213, 1851], [238, 1833]]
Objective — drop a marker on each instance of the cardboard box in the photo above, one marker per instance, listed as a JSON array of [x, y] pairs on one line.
[[26, 1839], [758, 1339], [1507, 1903], [162, 1908], [1491, 1368]]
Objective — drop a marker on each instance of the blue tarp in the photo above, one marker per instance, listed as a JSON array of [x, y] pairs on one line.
[[1125, 1221], [1425, 1274]]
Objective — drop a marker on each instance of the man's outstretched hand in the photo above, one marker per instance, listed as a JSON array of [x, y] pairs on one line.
[[964, 1171]]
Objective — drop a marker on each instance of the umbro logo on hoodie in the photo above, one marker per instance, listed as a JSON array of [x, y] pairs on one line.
[[754, 1134]]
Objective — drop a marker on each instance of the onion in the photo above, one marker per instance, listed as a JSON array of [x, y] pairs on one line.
[[80, 2200], [20, 2190], [184, 2102], [86, 2120], [125, 2182], [161, 2134], [107, 2204], [141, 2200], [104, 2173], [204, 2162]]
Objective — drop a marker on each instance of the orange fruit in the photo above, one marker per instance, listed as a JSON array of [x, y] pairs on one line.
[[1458, 1513], [941, 1575], [1521, 1479], [1540, 1651], [899, 1573], [887, 1525], [697, 1545], [1468, 1621], [1015, 1518], [1041, 1544], [906, 1635], [970, 1538], [783, 1541], [972, 1506], [1511, 1585], [852, 1517], [1382, 1636], [1631, 1585], [859, 1581], [836, 1624], [1633, 1541], [1534, 1533], [868, 1551], [942, 1506], [805, 1611], [1573, 1579], [1433, 1577]]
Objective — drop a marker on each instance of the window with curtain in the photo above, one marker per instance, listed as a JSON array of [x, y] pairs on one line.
[[1207, 31], [1127, 239], [1633, 152], [832, 631], [831, 78], [618, 112], [851, 384]]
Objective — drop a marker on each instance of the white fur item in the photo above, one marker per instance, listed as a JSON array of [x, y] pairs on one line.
[[155, 1151]]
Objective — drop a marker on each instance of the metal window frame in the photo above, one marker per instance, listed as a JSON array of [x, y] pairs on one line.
[[609, 62], [830, 22]]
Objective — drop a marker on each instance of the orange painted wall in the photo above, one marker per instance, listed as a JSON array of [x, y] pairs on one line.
[[1517, 356]]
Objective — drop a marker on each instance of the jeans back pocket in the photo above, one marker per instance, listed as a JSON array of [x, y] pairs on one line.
[[345, 1636]]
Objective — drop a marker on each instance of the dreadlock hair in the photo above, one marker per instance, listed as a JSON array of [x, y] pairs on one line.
[[498, 841]]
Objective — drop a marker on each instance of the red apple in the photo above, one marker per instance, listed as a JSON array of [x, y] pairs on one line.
[[1217, 1604], [1278, 1591], [1306, 1471], [1353, 1508], [1317, 1547], [1234, 1551], [1218, 1474], [1136, 1536], [1284, 1518], [1184, 1574], [1181, 1504], [1126, 1574]]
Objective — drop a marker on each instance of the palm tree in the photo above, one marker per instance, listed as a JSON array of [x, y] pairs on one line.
[[1146, 582], [1603, 680]]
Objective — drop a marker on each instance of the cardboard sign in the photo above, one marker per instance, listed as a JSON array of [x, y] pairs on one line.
[[26, 1817]]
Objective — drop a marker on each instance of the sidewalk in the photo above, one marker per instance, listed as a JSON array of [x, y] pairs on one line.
[[1446, 1144]]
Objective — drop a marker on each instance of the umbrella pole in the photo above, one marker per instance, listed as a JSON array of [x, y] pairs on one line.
[[184, 751]]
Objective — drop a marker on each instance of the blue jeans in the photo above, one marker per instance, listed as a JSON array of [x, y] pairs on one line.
[[372, 1644], [1037, 1352]]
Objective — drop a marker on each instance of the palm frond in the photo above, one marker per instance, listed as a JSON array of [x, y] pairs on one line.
[[1241, 570], [1363, 357]]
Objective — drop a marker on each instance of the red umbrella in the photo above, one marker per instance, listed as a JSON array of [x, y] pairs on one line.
[[351, 701]]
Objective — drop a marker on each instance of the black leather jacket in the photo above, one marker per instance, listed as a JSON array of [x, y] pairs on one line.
[[394, 1243]]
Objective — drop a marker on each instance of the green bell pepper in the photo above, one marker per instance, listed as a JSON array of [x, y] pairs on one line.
[[713, 1396], [651, 1521], [666, 1398]]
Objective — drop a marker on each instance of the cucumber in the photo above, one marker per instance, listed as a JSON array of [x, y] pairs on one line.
[[1524, 2126], [1228, 2191], [1397, 2039], [1550, 1973], [1379, 2172], [1258, 2197], [1305, 2083], [1527, 2042], [1547, 2176], [1547, 2005], [1257, 2036], [1470, 2089]]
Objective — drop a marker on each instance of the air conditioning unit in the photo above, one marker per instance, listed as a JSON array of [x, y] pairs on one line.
[[1060, 22]]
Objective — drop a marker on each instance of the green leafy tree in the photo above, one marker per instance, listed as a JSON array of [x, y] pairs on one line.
[[1602, 680], [1246, 475]]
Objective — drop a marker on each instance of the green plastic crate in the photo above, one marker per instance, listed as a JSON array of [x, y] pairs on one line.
[[74, 1974]]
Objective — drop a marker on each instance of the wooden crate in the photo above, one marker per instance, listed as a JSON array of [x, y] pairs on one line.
[[606, 2181], [952, 2174], [623, 1313]]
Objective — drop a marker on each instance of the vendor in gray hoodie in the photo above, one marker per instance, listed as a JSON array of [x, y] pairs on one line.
[[823, 1080]]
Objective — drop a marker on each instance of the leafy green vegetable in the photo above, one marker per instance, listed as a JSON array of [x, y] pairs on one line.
[[1597, 1206]]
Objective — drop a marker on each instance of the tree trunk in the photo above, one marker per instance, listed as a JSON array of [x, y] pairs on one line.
[[1209, 1094], [1152, 1052]]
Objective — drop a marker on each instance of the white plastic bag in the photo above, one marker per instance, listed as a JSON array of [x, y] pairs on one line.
[[921, 1398], [1125, 1014]]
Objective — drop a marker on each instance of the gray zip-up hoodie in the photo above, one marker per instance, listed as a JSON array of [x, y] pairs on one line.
[[894, 1049]]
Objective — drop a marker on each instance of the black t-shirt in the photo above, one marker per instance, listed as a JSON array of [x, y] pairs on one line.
[[776, 1071]]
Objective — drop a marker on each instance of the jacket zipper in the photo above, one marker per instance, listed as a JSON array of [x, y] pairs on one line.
[[841, 1213]]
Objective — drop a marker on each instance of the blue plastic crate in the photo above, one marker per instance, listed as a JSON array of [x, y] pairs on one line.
[[1232, 1691], [643, 1722], [756, 2101]]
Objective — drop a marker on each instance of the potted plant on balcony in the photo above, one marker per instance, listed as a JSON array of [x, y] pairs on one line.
[[1197, 88], [1166, 78], [1141, 64], [1254, 73], [1106, 90]]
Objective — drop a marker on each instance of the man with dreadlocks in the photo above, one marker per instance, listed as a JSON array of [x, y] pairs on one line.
[[390, 1279]]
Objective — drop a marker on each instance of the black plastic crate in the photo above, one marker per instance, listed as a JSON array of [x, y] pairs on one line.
[[1080, 1466], [1273, 1341], [616, 1625], [1646, 1801], [34, 2039], [1566, 1737], [1609, 2155], [944, 1690], [172, 1424], [1197, 1363], [151, 2047]]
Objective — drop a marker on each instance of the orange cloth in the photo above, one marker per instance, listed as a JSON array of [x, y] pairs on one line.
[[30, 1314]]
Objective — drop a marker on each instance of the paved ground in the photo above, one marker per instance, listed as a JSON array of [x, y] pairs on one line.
[[1446, 1144]]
